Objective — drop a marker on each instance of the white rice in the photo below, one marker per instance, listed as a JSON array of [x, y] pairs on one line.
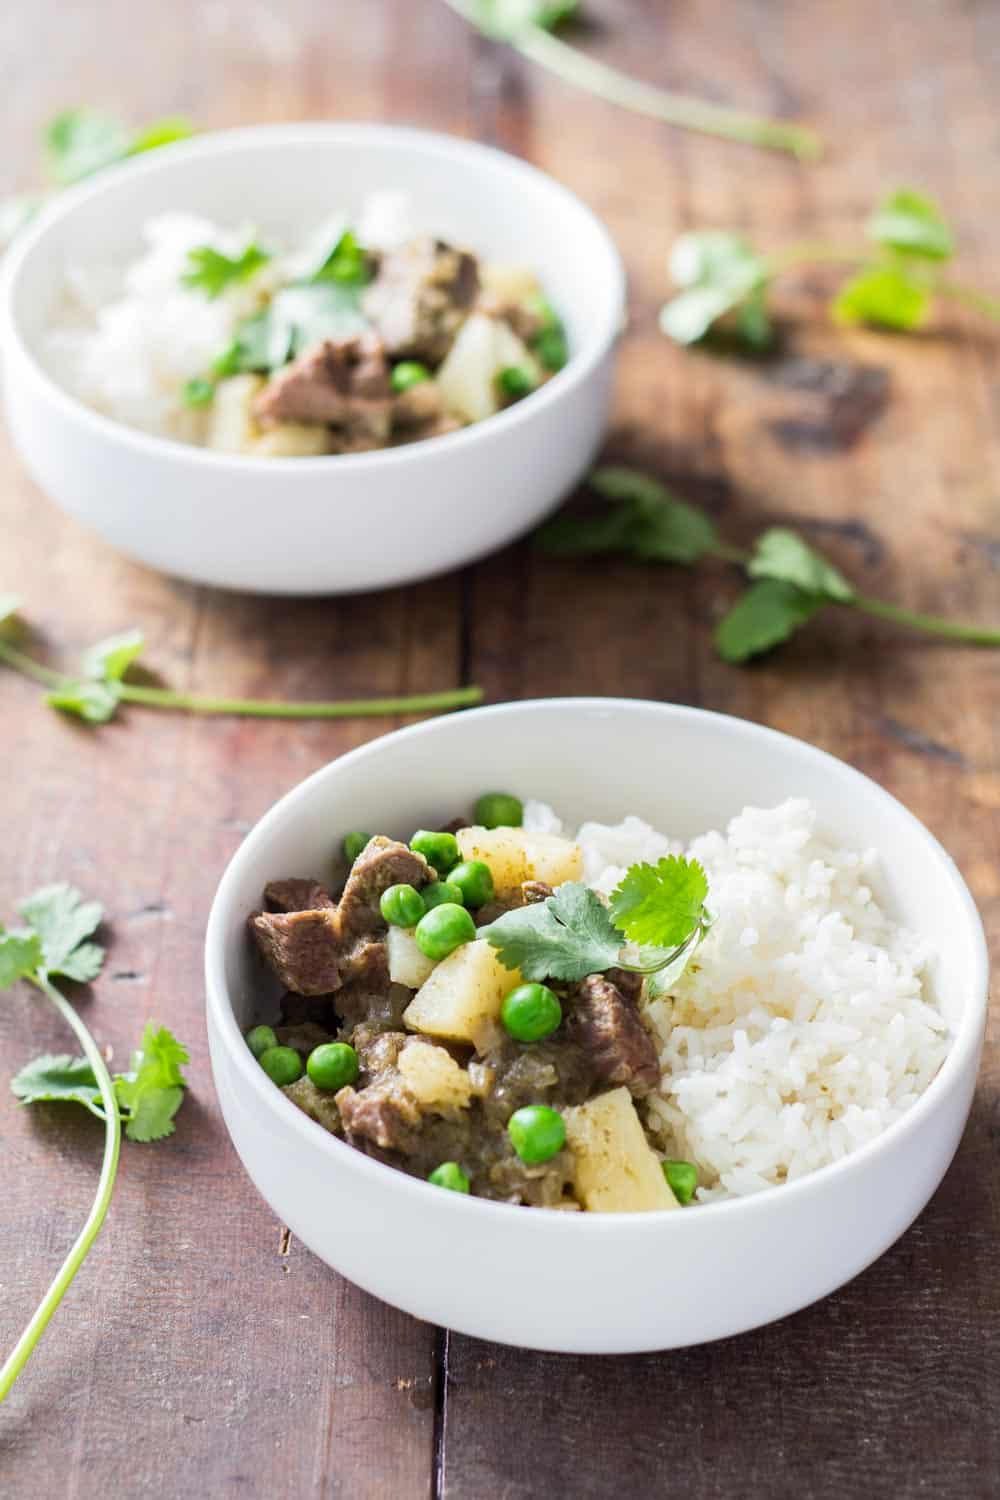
[[800, 1031]]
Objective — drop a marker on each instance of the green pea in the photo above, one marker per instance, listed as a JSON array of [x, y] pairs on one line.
[[515, 381], [682, 1179], [353, 845], [332, 1066], [543, 311], [444, 929], [449, 1175], [537, 1133], [440, 892], [474, 882], [197, 392], [530, 1012], [260, 1038], [499, 810], [408, 373], [439, 849], [551, 348], [402, 906], [283, 1065], [228, 362]]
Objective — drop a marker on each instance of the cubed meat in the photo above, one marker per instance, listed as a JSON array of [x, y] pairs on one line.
[[341, 383], [382, 862], [420, 297], [296, 895], [606, 1025]]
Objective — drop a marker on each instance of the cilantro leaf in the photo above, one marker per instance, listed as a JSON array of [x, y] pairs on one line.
[[568, 936], [660, 904], [885, 296], [110, 659], [211, 272], [346, 263], [81, 141], [62, 920], [63, 1078], [719, 273], [911, 224], [161, 133], [151, 1093], [9, 606], [506, 18], [20, 956], [97, 702], [646, 521], [780, 553], [768, 613]]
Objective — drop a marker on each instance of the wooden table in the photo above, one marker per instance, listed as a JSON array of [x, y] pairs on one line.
[[203, 1354]]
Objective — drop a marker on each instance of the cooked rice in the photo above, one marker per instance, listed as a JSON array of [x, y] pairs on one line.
[[800, 1031]]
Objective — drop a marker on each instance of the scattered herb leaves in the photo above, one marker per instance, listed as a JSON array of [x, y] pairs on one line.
[[660, 904], [212, 272]]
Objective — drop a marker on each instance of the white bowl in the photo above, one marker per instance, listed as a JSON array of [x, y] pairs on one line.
[[317, 525], [594, 1283]]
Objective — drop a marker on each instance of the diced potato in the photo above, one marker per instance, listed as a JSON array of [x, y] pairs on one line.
[[461, 1000], [511, 283], [436, 1079], [468, 378], [514, 856], [231, 427], [407, 964], [292, 440], [615, 1170]]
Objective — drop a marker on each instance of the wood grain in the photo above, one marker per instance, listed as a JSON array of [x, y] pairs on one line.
[[199, 1353]]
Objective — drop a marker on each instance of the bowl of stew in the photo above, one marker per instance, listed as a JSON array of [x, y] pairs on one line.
[[467, 1054], [311, 358]]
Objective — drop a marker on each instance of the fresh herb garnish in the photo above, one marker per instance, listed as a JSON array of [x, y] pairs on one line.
[[527, 25], [101, 687], [346, 263], [792, 582], [573, 934], [211, 272], [197, 392], [56, 940], [725, 284]]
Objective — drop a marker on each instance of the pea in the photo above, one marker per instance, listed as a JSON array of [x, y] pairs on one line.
[[332, 1066], [260, 1038], [474, 882], [449, 1175], [439, 849], [283, 1065], [537, 1133], [402, 906], [515, 381], [197, 392], [530, 1012], [353, 845], [682, 1179], [441, 891], [551, 348], [444, 929], [499, 810], [408, 373]]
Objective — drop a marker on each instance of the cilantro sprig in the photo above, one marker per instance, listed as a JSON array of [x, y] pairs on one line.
[[97, 692], [790, 581], [724, 283], [660, 908], [54, 941], [529, 27], [212, 272]]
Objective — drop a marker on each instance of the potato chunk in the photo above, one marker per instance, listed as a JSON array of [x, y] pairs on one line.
[[514, 856], [615, 1171], [231, 427], [292, 440], [435, 1078], [467, 379], [461, 1000], [512, 283], [407, 964]]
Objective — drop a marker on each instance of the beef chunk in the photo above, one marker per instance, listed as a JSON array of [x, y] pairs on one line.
[[534, 891], [607, 1026], [527, 893], [341, 948], [420, 298], [520, 318], [296, 895], [316, 1103], [342, 383]]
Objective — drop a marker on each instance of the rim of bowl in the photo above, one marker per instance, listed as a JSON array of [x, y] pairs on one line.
[[223, 142], [965, 1040]]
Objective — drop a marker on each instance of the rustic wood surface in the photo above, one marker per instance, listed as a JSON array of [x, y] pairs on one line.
[[201, 1352]]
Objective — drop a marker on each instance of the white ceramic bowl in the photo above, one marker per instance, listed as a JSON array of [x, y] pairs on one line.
[[596, 1283], [317, 525]]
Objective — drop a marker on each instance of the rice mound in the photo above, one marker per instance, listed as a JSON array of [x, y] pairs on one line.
[[800, 1030]]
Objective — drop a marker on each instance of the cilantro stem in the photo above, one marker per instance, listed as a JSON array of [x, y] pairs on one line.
[[574, 67], [953, 630], [25, 1345], [28, 667], [264, 708], [990, 306], [809, 254]]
